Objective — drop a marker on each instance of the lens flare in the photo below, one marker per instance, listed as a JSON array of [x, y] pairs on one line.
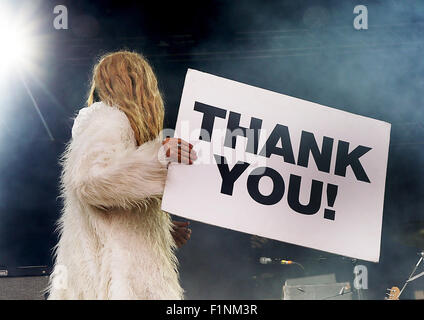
[[18, 49]]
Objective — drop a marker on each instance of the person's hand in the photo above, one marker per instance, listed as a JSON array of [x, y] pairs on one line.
[[178, 150], [181, 232]]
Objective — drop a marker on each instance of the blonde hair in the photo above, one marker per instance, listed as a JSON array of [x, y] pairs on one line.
[[126, 80]]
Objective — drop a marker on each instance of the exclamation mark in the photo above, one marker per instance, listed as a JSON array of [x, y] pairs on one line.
[[331, 198]]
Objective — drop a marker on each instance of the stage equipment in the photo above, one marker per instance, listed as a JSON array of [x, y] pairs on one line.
[[394, 293], [322, 287], [23, 283]]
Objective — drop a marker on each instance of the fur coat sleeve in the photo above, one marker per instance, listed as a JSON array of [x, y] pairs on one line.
[[104, 168]]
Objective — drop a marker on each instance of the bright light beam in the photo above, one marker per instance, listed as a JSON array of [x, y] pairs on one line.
[[17, 49], [35, 104], [18, 52]]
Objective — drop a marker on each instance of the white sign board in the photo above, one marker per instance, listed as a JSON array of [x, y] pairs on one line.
[[280, 167]]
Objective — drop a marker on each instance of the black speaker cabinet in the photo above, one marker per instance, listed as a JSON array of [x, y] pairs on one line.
[[23, 283]]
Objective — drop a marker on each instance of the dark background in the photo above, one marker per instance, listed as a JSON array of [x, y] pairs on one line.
[[305, 49]]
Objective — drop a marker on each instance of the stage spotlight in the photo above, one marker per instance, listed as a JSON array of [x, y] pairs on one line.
[[14, 46], [19, 53], [17, 46]]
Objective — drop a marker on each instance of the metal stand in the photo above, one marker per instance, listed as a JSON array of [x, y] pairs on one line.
[[411, 277]]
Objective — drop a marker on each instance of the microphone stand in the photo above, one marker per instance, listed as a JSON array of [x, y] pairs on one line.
[[411, 277], [341, 293]]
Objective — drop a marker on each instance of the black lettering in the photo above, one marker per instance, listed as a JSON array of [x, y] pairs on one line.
[[280, 132], [234, 129], [253, 186], [228, 176], [293, 196], [309, 145], [209, 115], [345, 159]]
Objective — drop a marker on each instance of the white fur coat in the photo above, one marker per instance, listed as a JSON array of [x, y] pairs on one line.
[[115, 242]]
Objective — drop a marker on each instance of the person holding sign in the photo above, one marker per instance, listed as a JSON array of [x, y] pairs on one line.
[[115, 241]]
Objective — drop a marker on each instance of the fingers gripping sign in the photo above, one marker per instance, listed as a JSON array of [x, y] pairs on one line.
[[181, 233], [178, 150]]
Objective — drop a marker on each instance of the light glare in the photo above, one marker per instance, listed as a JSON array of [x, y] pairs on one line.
[[17, 50]]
